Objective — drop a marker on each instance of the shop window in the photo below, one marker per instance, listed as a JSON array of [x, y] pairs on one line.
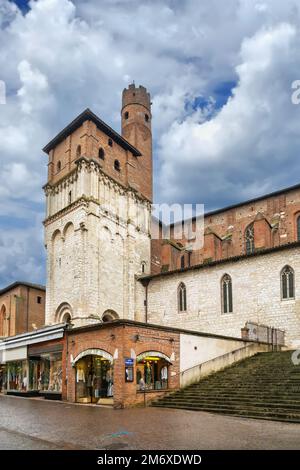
[[45, 373], [152, 372], [226, 286], [182, 297], [17, 376], [94, 379], [3, 378], [39, 299], [249, 239], [287, 283]]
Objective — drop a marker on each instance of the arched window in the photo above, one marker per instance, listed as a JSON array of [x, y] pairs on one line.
[[117, 165], [70, 197], [249, 239], [101, 154], [110, 142], [226, 286], [182, 297], [126, 115], [58, 166], [78, 151], [298, 228], [143, 266], [109, 315], [182, 264], [146, 117], [4, 330], [66, 318], [287, 283]]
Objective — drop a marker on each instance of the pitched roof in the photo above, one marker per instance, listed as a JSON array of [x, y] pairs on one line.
[[210, 264], [88, 115], [21, 283]]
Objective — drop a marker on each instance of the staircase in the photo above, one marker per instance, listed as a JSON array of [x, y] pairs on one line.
[[265, 386]]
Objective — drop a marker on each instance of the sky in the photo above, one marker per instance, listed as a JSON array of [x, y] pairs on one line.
[[220, 76]]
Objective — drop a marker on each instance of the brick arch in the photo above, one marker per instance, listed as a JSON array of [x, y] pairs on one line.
[[153, 352], [93, 352]]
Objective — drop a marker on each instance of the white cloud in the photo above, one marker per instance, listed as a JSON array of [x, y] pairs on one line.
[[64, 55]]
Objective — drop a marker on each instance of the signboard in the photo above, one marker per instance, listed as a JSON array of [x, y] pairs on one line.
[[129, 368], [129, 362]]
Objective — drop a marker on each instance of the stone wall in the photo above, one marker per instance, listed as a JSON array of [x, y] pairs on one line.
[[96, 245], [256, 296]]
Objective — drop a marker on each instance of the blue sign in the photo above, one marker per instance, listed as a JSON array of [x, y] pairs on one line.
[[129, 362]]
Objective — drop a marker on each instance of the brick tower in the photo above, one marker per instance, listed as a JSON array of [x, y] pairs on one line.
[[136, 129]]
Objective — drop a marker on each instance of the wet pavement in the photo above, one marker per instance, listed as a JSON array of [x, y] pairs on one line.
[[39, 424]]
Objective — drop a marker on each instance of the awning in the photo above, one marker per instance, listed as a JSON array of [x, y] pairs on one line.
[[14, 354]]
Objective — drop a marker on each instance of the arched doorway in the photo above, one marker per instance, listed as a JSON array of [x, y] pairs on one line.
[[152, 371], [94, 377]]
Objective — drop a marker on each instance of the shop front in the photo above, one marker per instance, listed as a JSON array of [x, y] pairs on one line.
[[94, 380], [3, 378], [121, 363], [46, 370], [32, 363], [152, 371]]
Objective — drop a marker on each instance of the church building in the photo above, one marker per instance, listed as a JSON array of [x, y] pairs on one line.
[[127, 313]]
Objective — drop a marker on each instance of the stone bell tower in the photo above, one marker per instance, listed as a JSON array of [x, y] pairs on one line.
[[98, 218], [136, 129]]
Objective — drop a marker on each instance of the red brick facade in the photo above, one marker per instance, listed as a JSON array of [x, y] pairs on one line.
[[22, 309], [122, 341], [274, 218]]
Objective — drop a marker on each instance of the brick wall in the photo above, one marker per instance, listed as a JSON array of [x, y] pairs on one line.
[[22, 311], [123, 344], [275, 223]]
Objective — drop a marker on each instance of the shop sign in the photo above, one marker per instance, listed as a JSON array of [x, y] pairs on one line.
[[129, 362]]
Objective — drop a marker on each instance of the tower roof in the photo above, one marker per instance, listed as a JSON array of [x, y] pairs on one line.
[[88, 115]]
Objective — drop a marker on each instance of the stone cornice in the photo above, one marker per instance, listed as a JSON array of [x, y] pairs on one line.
[[90, 165], [82, 201]]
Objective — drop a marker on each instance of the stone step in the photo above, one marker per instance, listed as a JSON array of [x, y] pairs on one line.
[[266, 386], [241, 413], [235, 403]]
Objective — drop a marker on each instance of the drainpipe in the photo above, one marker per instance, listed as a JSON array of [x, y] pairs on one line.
[[27, 312], [145, 284]]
